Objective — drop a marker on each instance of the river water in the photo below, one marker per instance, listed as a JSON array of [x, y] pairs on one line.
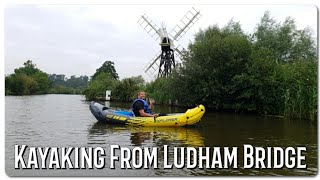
[[65, 121]]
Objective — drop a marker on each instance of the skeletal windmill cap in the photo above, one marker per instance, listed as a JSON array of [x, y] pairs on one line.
[[160, 34]]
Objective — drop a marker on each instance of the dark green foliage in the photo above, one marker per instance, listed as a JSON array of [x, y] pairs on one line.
[[139, 81], [108, 68], [213, 61], [28, 69], [105, 78], [121, 90], [283, 42], [98, 86], [27, 80], [300, 90], [58, 89], [62, 85], [77, 82], [160, 90], [127, 88], [273, 71]]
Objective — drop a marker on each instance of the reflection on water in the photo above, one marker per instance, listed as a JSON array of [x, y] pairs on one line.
[[148, 136], [65, 121]]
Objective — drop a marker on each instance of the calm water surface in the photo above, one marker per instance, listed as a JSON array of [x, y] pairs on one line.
[[65, 121]]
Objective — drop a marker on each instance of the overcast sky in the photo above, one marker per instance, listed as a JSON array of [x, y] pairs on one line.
[[77, 39]]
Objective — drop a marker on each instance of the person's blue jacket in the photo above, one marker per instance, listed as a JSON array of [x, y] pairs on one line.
[[145, 106]]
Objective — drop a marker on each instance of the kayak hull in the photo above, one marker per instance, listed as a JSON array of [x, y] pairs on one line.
[[107, 115]]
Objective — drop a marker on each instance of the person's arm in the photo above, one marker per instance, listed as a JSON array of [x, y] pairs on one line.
[[144, 114]]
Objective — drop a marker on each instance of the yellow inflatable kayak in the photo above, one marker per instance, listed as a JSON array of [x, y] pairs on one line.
[[104, 114]]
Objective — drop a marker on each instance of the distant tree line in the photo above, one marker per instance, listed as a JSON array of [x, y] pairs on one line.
[[29, 80], [62, 85]]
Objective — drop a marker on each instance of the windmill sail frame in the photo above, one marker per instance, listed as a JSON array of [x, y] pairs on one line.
[[165, 60]]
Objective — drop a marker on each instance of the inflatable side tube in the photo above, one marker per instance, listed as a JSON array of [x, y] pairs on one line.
[[97, 112]]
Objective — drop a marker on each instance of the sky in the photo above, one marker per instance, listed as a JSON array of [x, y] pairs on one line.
[[77, 39]]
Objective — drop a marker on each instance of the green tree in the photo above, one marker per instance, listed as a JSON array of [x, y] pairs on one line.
[[126, 89], [105, 78], [61, 85], [42, 80], [28, 69], [214, 59], [160, 90], [276, 49], [108, 68], [98, 86], [272, 71], [27, 80], [283, 42], [138, 80]]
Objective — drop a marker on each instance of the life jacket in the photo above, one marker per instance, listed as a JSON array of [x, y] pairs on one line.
[[145, 106]]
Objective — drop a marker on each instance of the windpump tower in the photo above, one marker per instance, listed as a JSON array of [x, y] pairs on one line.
[[165, 60]]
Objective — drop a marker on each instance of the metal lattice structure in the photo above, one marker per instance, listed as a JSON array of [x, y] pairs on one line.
[[165, 60]]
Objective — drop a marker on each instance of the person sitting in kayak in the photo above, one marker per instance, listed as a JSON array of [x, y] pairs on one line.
[[141, 108]]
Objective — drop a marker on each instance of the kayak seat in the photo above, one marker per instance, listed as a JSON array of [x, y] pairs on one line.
[[126, 113]]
